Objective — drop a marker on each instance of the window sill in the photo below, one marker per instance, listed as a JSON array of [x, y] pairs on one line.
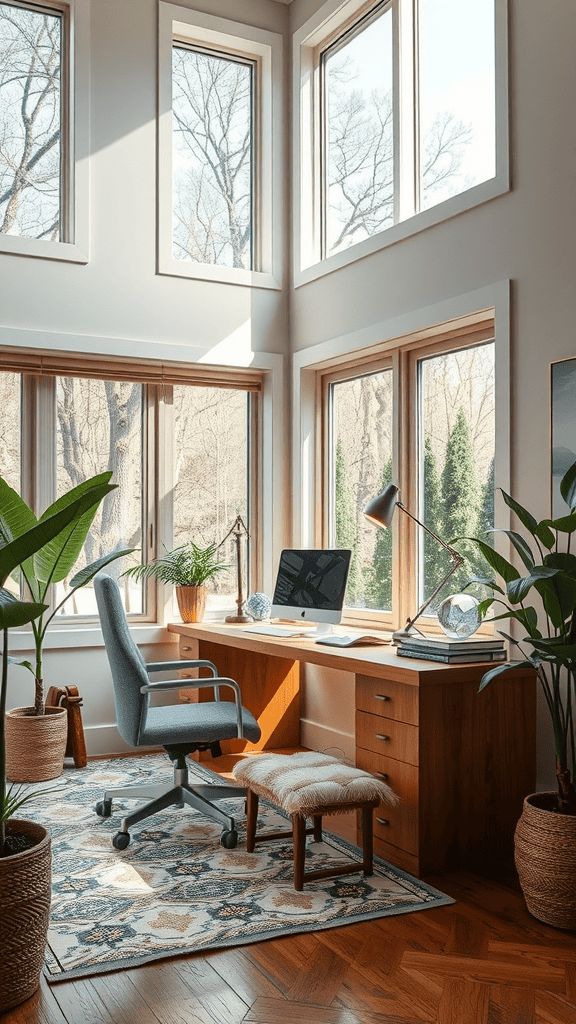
[[481, 193], [16, 245], [87, 636], [219, 274]]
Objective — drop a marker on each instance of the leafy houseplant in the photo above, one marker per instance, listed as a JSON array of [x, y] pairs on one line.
[[50, 564], [549, 647], [24, 845], [187, 568]]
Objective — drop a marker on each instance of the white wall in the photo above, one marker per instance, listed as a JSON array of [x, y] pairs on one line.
[[117, 304], [526, 235]]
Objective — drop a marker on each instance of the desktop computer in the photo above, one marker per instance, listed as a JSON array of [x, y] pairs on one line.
[[310, 587]]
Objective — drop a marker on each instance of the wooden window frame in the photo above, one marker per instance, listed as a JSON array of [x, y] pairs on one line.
[[39, 370], [401, 355]]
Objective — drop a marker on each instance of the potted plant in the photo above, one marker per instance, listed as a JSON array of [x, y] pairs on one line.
[[545, 839], [25, 855], [36, 736], [186, 567]]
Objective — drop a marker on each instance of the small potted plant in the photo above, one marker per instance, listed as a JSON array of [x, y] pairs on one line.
[[545, 840], [25, 854], [187, 568], [36, 736]]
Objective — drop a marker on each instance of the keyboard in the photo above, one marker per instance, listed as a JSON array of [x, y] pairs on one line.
[[275, 630]]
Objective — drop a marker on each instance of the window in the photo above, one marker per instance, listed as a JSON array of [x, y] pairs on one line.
[[220, 150], [43, 130], [401, 107], [182, 454], [436, 442]]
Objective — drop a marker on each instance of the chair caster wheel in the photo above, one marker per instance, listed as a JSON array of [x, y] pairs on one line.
[[229, 839], [120, 840], [104, 808]]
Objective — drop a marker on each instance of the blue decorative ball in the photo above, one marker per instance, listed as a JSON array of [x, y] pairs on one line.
[[259, 605], [458, 616]]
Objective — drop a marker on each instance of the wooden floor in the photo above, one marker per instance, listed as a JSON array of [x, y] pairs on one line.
[[483, 960]]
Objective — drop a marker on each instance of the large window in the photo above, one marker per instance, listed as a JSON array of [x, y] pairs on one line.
[[182, 455], [422, 419], [399, 121]]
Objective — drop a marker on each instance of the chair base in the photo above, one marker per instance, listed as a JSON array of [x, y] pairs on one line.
[[179, 794]]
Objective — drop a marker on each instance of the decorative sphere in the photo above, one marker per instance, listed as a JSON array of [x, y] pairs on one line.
[[458, 616], [259, 605]]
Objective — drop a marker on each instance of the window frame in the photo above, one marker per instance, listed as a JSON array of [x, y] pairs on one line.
[[75, 128], [322, 31], [39, 371], [264, 50]]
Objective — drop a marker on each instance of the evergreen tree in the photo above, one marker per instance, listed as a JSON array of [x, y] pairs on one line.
[[433, 560], [486, 515], [379, 574], [460, 504], [347, 525]]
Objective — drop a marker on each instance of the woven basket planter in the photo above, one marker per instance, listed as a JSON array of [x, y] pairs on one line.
[[545, 856], [191, 603], [35, 744], [25, 893]]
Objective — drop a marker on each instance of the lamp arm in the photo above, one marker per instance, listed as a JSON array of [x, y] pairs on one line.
[[456, 557]]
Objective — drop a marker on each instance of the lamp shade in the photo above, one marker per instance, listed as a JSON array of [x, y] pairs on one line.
[[380, 509]]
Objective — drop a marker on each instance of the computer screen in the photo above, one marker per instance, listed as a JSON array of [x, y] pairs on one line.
[[311, 584]]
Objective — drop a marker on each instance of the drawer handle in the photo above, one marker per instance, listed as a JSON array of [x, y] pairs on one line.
[[379, 736], [382, 821], [381, 696], [186, 648], [383, 775]]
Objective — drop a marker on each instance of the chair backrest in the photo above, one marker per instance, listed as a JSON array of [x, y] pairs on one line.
[[126, 663]]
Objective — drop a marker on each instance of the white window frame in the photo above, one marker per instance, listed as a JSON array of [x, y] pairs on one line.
[[75, 143], [382, 341], [265, 50], [324, 28]]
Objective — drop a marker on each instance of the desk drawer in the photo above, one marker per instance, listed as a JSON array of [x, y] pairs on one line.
[[387, 737], [397, 825], [385, 697]]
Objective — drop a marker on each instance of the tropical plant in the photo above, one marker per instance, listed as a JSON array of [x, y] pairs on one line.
[[52, 561], [550, 630], [16, 552], [186, 566]]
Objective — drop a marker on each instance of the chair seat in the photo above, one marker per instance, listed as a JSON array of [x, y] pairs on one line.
[[206, 722]]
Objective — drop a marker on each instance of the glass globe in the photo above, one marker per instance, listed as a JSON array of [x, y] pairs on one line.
[[259, 606], [458, 616]]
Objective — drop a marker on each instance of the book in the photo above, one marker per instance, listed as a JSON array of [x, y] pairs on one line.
[[458, 646], [352, 640], [451, 659]]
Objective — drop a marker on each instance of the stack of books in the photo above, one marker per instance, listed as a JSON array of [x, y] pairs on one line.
[[452, 651]]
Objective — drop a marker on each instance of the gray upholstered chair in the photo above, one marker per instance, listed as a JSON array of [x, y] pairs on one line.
[[179, 728]]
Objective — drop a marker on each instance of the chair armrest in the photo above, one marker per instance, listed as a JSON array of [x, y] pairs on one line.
[[171, 666], [197, 684]]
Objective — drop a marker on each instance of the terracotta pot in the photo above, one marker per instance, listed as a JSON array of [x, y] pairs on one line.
[[191, 603], [25, 894], [35, 744], [545, 856]]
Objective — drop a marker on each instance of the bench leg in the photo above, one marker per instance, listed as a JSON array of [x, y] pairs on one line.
[[367, 839], [317, 828], [251, 820], [299, 838]]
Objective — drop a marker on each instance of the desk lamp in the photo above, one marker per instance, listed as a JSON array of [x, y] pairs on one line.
[[380, 510]]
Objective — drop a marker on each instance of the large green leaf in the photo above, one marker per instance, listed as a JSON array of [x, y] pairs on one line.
[[568, 486], [517, 589], [566, 524], [497, 562], [55, 560], [539, 530], [500, 669], [553, 649], [17, 613], [521, 546], [18, 551], [88, 573], [15, 515]]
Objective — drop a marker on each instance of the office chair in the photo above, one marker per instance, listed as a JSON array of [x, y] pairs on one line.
[[180, 728]]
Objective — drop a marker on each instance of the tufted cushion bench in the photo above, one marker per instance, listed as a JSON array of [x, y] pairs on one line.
[[310, 785]]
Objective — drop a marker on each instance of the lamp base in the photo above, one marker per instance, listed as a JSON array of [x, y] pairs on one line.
[[404, 634], [238, 618]]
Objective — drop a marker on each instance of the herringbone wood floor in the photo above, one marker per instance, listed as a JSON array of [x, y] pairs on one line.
[[483, 960]]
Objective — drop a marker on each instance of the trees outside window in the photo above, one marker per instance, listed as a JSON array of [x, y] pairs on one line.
[[31, 61], [449, 450], [212, 105]]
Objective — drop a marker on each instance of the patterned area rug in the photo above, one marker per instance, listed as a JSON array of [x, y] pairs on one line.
[[175, 890]]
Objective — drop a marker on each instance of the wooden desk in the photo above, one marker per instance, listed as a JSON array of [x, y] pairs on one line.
[[461, 762]]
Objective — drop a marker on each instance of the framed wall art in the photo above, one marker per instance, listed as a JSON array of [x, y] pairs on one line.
[[563, 409]]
